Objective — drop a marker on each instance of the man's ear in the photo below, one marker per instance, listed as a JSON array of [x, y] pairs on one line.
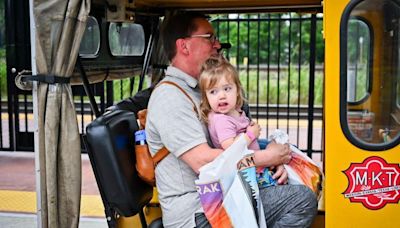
[[181, 46]]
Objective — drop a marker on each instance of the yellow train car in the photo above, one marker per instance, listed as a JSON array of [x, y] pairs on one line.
[[362, 70]]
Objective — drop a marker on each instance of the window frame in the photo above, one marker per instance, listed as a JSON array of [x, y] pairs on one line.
[[377, 147]]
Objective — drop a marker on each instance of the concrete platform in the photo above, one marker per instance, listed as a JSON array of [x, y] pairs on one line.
[[18, 192], [18, 220]]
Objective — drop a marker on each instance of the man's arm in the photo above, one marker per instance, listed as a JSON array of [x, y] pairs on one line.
[[200, 155], [274, 155]]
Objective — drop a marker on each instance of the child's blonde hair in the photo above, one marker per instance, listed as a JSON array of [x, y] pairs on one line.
[[213, 70]]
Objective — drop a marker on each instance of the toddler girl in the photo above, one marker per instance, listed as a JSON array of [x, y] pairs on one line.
[[220, 107]]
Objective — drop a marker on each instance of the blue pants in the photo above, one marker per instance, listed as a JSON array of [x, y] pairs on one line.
[[263, 143]]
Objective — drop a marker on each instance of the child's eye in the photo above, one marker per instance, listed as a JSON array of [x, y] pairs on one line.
[[213, 91], [228, 88]]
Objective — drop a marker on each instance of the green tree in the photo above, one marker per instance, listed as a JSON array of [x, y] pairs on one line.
[[269, 38], [2, 25]]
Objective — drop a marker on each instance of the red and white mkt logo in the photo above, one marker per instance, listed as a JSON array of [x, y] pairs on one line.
[[374, 183]]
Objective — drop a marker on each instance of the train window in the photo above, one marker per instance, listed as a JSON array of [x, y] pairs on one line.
[[90, 44], [396, 113], [126, 39], [398, 87], [370, 74], [358, 61]]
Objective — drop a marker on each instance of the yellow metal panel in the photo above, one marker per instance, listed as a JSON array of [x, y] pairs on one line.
[[332, 12], [151, 213], [339, 152]]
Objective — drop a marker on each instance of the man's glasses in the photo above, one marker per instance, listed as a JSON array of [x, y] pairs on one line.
[[211, 37]]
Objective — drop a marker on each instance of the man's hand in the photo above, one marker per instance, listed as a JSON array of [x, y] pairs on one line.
[[274, 155]]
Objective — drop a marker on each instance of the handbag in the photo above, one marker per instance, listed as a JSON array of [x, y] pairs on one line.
[[228, 189], [145, 163], [302, 170]]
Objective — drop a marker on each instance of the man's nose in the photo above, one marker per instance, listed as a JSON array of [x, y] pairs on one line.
[[217, 45]]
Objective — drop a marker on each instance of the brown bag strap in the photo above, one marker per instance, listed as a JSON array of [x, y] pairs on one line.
[[160, 155], [142, 114], [163, 152]]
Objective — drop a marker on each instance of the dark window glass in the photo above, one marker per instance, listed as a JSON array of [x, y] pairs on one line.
[[90, 43], [126, 39]]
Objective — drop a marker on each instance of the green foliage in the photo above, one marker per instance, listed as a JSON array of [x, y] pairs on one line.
[[269, 40], [358, 56], [292, 90], [3, 73], [122, 88], [295, 88], [257, 40], [2, 24], [263, 38]]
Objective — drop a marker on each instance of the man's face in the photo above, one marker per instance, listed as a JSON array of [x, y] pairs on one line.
[[202, 48]]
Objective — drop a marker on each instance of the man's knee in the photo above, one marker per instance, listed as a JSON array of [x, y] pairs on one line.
[[307, 206], [307, 197]]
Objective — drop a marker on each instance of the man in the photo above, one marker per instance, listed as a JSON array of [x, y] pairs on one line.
[[171, 121]]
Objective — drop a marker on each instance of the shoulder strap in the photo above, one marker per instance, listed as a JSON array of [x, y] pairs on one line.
[[163, 152], [160, 155]]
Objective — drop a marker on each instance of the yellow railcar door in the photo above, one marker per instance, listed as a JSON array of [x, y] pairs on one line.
[[362, 113]]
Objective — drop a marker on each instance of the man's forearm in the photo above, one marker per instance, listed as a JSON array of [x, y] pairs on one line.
[[274, 155], [263, 158], [199, 156]]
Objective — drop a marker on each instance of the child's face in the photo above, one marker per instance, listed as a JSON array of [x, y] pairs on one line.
[[222, 97]]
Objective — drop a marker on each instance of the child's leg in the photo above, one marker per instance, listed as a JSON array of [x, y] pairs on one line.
[[263, 143], [264, 174]]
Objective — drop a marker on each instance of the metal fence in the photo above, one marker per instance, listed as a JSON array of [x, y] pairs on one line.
[[280, 61], [279, 58]]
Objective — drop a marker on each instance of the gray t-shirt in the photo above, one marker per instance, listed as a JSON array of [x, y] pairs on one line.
[[171, 121]]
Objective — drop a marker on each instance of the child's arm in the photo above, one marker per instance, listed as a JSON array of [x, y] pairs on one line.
[[226, 143], [252, 133]]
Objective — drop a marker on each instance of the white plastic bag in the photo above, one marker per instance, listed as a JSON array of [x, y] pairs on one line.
[[228, 189], [301, 169]]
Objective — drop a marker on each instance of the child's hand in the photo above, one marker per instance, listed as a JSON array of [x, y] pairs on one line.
[[254, 128], [281, 175]]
